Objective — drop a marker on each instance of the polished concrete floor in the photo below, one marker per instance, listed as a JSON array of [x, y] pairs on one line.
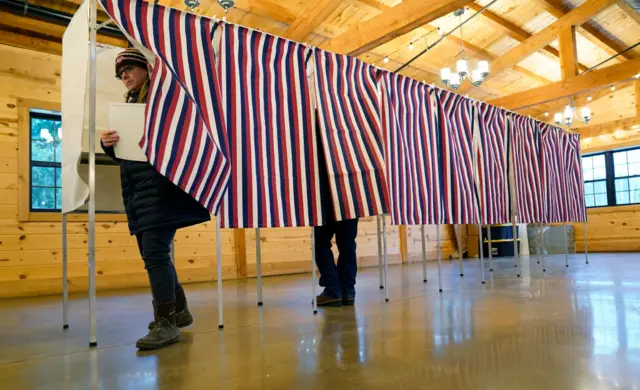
[[575, 328]]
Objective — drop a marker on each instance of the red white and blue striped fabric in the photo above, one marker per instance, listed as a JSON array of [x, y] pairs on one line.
[[525, 149], [491, 163], [576, 209], [554, 194], [458, 120], [411, 150], [349, 116], [184, 135], [273, 151]]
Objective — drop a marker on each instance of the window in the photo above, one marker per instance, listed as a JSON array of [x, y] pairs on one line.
[[45, 153], [627, 176], [612, 178], [595, 180]]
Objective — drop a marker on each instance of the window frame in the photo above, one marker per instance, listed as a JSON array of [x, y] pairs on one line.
[[610, 177], [25, 214], [43, 164]]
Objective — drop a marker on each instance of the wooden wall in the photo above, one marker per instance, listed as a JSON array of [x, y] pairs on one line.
[[610, 229], [30, 252]]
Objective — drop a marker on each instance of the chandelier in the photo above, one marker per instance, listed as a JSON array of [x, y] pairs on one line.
[[566, 117], [455, 79]]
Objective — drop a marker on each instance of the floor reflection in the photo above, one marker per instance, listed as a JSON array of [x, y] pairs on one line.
[[569, 329]]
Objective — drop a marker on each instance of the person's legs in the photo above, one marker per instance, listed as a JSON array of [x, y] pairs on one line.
[[324, 260], [346, 233], [183, 315], [155, 247], [156, 253]]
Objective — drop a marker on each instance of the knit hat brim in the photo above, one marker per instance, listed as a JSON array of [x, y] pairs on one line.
[[130, 57]]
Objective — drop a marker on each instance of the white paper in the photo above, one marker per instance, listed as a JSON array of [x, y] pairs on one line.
[[128, 120]]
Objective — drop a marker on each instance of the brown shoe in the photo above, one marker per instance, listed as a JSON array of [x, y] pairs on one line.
[[348, 301], [325, 300]]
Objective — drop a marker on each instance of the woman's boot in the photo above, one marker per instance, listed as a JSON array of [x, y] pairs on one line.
[[164, 331], [183, 316]]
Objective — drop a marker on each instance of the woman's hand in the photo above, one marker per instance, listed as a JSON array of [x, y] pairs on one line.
[[109, 138]]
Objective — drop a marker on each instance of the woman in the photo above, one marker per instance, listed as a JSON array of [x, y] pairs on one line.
[[155, 208]]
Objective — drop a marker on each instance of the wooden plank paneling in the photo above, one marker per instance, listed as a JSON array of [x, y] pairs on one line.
[[610, 229]]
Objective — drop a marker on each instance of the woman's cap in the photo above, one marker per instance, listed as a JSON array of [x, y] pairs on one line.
[[130, 57]]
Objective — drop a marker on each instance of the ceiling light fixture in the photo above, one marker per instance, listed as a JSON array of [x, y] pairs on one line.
[[566, 117], [477, 76]]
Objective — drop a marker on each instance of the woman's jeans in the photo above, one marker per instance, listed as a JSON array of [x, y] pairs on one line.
[[155, 248]]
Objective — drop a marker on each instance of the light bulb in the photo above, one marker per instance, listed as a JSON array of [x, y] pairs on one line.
[[619, 133], [586, 114], [546, 114], [589, 98], [410, 45], [462, 67], [455, 80], [637, 76], [386, 60], [445, 75], [557, 117], [483, 66], [476, 77], [613, 88], [568, 115]]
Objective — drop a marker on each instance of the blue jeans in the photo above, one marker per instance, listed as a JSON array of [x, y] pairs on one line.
[[155, 248], [338, 280]]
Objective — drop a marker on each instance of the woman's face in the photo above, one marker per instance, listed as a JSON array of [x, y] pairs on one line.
[[133, 77]]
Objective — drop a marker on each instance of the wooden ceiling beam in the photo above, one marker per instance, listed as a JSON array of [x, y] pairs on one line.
[[537, 41], [629, 11], [390, 24], [268, 9], [579, 100], [11, 38], [513, 31], [568, 52], [625, 124], [588, 30], [311, 17], [570, 86], [41, 28]]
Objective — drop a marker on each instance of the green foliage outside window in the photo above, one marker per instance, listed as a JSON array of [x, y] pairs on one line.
[[46, 153]]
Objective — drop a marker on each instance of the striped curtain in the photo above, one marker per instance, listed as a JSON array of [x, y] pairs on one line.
[[576, 209], [491, 156], [554, 190], [273, 151], [411, 150], [184, 137], [349, 117], [527, 175], [458, 120]]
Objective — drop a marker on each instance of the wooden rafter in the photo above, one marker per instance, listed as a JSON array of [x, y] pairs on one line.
[[588, 30], [40, 32], [568, 52], [570, 86], [610, 127], [313, 14], [513, 31], [536, 42], [390, 24], [579, 100]]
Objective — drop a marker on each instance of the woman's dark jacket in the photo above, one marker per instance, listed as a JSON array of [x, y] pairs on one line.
[[152, 201]]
